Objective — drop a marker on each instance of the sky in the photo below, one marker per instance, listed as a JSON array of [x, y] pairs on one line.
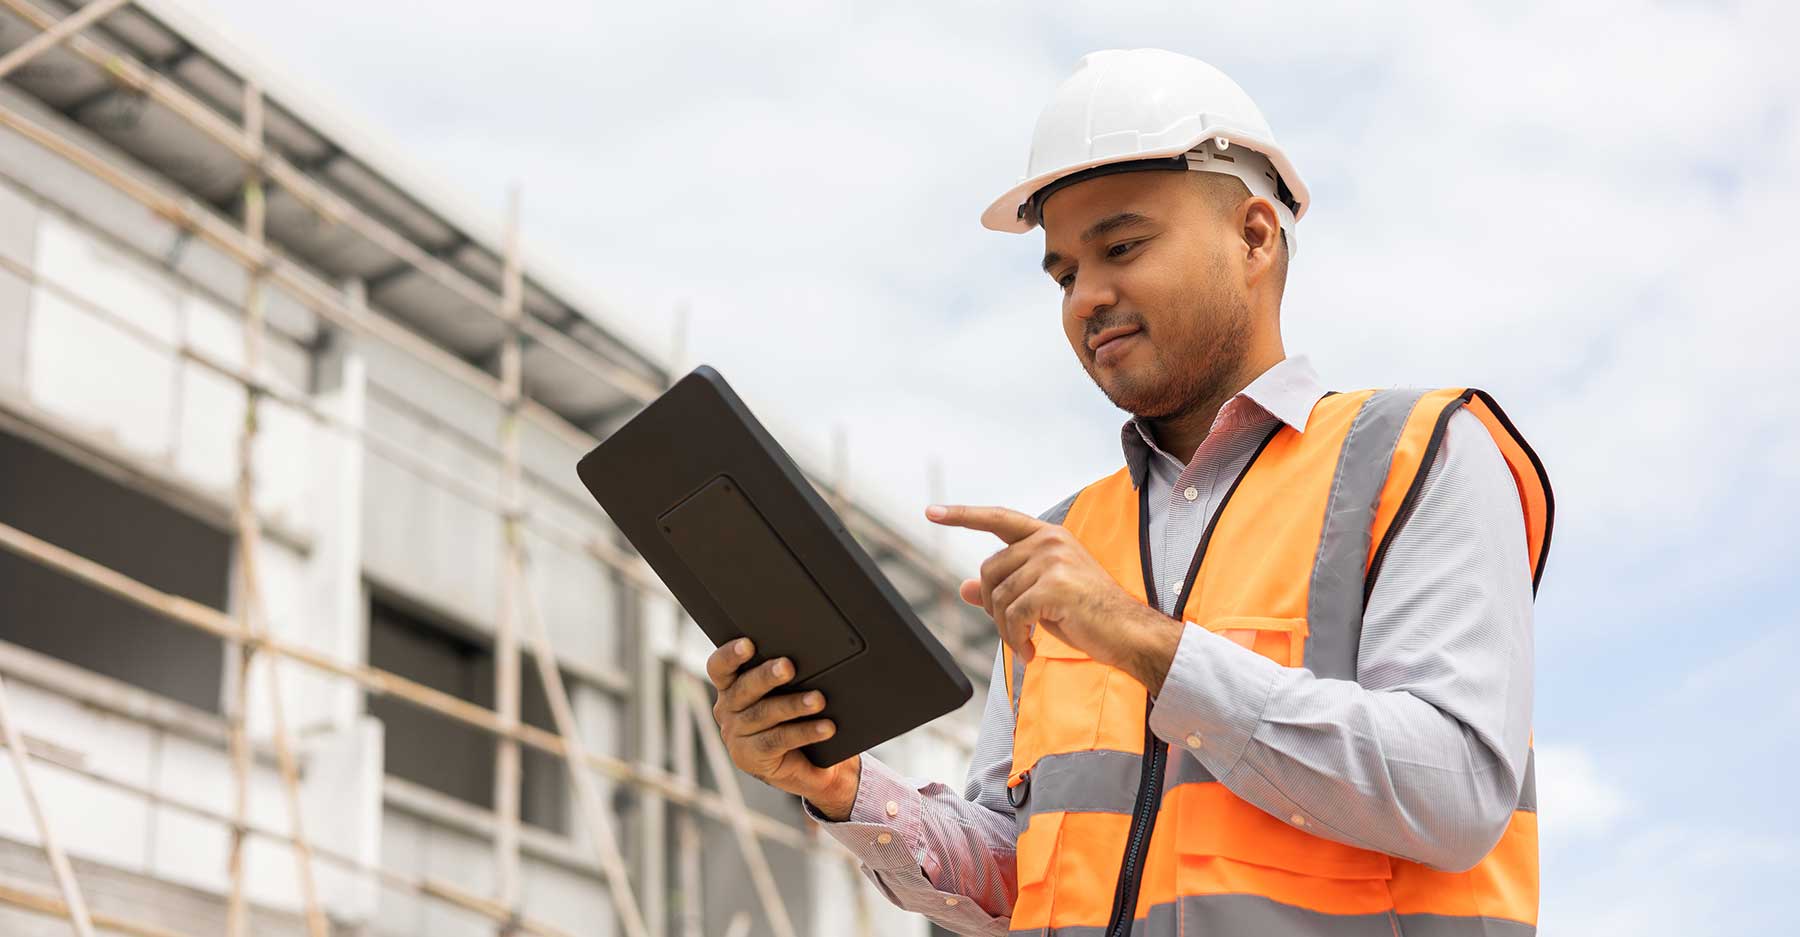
[[1582, 207]]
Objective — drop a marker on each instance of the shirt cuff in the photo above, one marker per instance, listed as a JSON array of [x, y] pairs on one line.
[[1212, 699], [883, 828]]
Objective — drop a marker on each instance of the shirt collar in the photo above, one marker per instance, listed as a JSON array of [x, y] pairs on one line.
[[1286, 392]]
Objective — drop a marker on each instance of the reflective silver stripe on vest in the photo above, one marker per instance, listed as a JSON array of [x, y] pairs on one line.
[[1098, 781], [1234, 915], [1334, 605], [1184, 768], [1528, 788], [1443, 925], [1101, 781]]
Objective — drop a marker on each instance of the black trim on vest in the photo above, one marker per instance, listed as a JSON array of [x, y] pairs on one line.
[[1543, 557], [1418, 483]]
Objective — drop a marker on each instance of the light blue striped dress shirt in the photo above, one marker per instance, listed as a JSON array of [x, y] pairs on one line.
[[1422, 757]]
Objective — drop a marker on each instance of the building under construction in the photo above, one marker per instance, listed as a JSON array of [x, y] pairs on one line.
[[306, 624]]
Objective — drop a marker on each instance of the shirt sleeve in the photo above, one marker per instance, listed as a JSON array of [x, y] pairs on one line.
[[931, 851], [1422, 756]]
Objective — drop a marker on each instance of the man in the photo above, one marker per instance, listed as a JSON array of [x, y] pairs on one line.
[[1273, 676]]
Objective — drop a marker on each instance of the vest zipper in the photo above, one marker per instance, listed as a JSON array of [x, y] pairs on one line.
[[1156, 751], [1143, 822]]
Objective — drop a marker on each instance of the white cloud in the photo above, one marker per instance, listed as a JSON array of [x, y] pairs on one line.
[[1673, 879], [1575, 797]]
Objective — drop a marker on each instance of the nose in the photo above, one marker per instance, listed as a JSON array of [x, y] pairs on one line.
[[1091, 295]]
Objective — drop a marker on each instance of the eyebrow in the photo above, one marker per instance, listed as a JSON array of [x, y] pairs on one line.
[[1104, 226]]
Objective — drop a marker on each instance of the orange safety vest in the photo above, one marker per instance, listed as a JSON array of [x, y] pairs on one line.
[[1110, 820]]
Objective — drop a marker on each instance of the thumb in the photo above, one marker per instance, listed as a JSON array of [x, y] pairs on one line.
[[970, 590]]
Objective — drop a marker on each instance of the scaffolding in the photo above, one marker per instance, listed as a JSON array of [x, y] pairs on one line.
[[518, 618]]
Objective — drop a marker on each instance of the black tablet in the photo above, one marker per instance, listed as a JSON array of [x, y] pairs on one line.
[[746, 545]]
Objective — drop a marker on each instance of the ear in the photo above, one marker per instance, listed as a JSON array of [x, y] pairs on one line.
[[1261, 232]]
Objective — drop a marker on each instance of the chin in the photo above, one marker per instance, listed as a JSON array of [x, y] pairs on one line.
[[1133, 395]]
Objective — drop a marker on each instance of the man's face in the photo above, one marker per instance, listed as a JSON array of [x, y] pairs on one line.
[[1151, 302]]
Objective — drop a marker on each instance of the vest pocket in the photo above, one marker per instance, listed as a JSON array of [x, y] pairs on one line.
[[1282, 640], [1037, 847], [1214, 824]]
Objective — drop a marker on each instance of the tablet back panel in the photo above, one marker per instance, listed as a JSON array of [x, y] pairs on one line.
[[744, 543]]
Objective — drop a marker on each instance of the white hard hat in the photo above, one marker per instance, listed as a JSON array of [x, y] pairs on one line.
[[1129, 109]]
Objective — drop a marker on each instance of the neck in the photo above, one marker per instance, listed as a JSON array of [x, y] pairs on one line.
[[1181, 434]]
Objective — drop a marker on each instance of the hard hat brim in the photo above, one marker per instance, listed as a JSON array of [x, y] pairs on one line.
[[1007, 213]]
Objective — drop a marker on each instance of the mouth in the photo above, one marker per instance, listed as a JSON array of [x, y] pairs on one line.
[[1111, 337]]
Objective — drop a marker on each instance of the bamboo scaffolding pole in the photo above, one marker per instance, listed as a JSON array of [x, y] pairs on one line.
[[57, 34], [252, 613], [506, 637], [237, 907], [50, 906], [726, 773], [687, 826], [651, 748], [593, 810], [375, 680], [74, 907]]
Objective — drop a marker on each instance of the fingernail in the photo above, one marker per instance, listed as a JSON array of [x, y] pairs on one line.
[[742, 647], [937, 512], [783, 669], [812, 699], [826, 728]]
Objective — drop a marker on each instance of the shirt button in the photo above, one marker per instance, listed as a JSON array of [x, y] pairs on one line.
[[1298, 820], [893, 809], [1191, 493], [1193, 741], [950, 901], [884, 838]]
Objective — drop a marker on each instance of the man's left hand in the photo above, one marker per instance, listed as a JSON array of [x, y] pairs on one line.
[[1045, 576]]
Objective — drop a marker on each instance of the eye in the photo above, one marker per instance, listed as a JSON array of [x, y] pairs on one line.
[[1120, 250], [1066, 281]]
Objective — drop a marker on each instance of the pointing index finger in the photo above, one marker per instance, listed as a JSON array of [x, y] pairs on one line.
[[1005, 523]]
